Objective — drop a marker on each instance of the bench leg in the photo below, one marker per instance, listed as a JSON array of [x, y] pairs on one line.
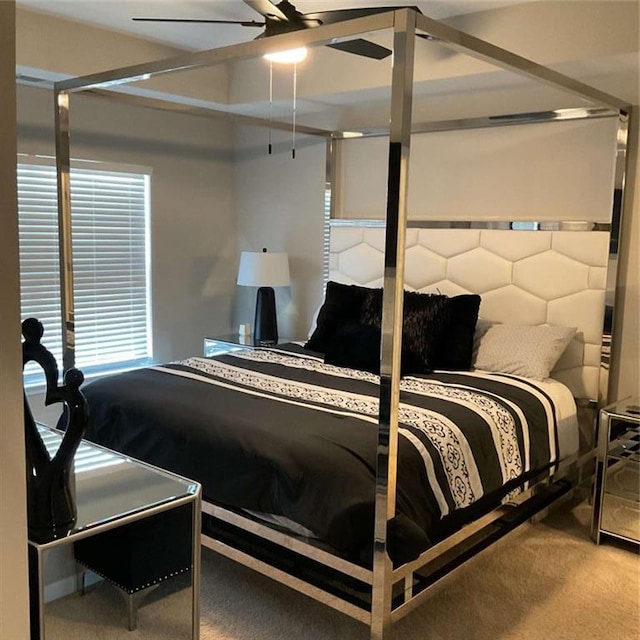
[[132, 607], [81, 581]]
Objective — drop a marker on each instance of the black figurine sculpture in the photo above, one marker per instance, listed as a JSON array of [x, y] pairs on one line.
[[51, 501]]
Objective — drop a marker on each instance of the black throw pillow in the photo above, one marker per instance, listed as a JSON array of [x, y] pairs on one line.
[[342, 306], [424, 319], [357, 346], [454, 349], [437, 329]]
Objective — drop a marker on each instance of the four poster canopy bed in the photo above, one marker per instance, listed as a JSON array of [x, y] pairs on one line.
[[430, 411]]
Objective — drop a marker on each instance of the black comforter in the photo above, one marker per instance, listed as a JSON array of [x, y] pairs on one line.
[[280, 432]]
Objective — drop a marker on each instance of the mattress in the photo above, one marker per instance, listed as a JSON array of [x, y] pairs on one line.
[[279, 432]]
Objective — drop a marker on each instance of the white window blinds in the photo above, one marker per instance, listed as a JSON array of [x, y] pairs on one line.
[[110, 262]]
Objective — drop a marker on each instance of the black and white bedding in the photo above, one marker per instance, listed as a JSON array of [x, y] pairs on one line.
[[281, 432]]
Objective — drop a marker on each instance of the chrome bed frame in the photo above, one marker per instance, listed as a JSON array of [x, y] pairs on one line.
[[350, 587], [391, 592]]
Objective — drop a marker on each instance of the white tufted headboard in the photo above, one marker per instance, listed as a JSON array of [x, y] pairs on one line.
[[523, 277]]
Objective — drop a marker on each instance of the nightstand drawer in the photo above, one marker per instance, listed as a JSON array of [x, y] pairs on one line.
[[621, 501]]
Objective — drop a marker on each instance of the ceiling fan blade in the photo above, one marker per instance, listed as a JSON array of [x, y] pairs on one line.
[[267, 9], [244, 23], [362, 48], [340, 15]]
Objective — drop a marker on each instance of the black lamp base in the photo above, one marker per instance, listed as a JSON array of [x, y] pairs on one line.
[[265, 325]]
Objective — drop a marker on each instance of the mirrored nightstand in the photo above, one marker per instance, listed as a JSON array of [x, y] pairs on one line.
[[616, 496], [233, 342]]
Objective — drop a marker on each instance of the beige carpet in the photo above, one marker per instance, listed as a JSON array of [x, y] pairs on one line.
[[543, 581]]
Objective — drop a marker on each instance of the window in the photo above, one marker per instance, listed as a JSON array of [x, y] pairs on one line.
[[110, 221]]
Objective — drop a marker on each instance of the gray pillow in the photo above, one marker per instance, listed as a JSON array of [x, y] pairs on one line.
[[482, 326], [528, 351]]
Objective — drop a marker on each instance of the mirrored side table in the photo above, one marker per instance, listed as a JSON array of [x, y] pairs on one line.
[[135, 522], [220, 345], [616, 493]]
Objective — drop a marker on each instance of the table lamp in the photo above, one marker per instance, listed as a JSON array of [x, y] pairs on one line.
[[265, 271]]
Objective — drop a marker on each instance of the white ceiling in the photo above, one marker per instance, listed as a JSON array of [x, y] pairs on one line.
[[117, 14]]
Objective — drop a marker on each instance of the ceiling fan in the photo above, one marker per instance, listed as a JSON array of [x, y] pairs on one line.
[[284, 18]]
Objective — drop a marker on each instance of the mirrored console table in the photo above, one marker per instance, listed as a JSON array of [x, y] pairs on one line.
[[137, 527]]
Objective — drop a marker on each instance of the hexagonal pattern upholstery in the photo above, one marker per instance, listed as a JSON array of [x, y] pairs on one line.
[[524, 277]]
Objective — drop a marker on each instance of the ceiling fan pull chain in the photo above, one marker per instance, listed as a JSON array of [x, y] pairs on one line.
[[270, 100], [295, 92]]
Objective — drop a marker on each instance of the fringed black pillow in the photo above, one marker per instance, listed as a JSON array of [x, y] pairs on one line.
[[425, 316], [357, 346]]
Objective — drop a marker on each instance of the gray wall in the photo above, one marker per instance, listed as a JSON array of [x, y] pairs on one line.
[[279, 203], [193, 238], [14, 603]]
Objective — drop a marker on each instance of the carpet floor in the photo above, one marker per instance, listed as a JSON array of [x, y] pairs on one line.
[[543, 581]]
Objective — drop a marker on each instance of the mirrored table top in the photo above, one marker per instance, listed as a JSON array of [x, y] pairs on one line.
[[626, 409], [111, 486]]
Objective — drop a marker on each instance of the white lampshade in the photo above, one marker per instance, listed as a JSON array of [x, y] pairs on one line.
[[263, 269]]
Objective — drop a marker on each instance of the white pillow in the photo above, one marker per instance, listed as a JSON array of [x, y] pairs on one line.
[[528, 351]]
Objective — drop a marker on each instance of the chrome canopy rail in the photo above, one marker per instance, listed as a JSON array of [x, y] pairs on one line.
[[253, 48], [619, 183], [502, 120]]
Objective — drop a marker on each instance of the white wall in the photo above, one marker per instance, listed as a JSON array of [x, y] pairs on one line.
[[14, 603], [193, 238]]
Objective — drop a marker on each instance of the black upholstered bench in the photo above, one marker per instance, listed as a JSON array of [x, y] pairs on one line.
[[142, 554]]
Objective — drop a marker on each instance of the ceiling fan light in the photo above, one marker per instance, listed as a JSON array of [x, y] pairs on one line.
[[291, 56]]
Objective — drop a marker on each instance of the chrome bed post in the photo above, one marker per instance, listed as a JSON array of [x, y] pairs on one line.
[[397, 189]]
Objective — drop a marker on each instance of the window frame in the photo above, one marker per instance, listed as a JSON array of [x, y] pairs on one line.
[[34, 379]]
